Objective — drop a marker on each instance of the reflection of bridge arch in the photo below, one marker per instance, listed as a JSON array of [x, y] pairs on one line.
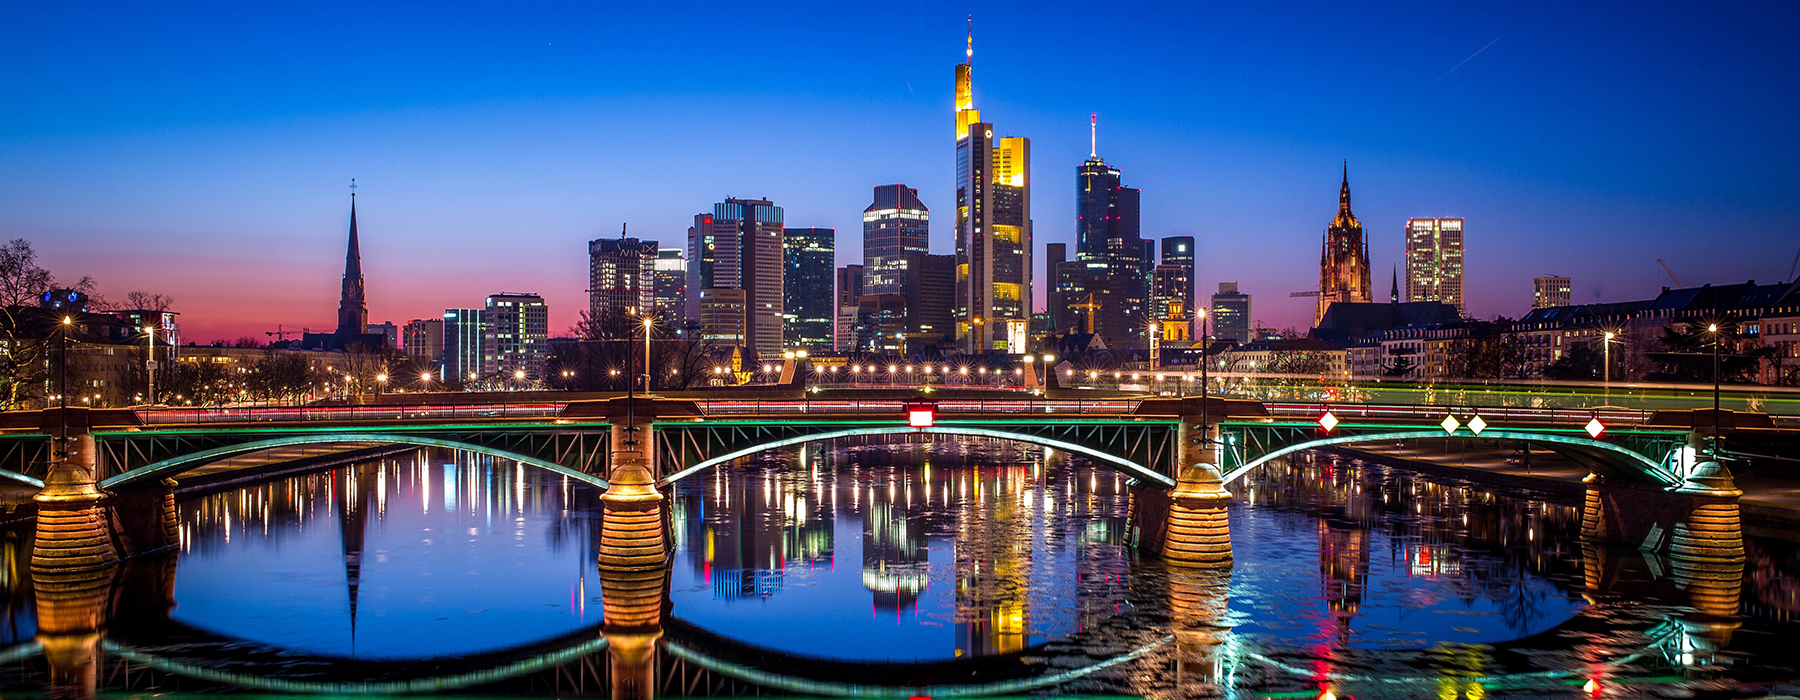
[[433, 684], [1604, 458], [176, 465], [1130, 467]]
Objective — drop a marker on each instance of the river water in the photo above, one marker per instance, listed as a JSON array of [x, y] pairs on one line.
[[968, 566]]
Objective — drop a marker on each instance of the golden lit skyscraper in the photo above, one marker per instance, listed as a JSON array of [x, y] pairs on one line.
[[1344, 261], [993, 228], [1434, 261]]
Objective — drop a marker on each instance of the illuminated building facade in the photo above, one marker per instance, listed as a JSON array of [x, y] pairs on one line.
[[671, 288], [1112, 253], [807, 282], [739, 246], [1550, 291], [1434, 261], [515, 335], [896, 225], [993, 228], [1180, 252], [423, 338], [465, 332], [1344, 259], [1231, 314], [721, 314], [621, 277], [849, 302], [930, 292]]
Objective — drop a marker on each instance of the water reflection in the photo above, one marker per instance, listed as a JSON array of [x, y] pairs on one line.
[[969, 563], [984, 550], [430, 555]]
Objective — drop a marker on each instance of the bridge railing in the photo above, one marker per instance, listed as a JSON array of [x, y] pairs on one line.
[[1570, 417], [851, 408], [291, 414]]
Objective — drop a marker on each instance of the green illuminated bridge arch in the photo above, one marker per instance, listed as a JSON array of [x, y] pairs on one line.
[[1645, 456]]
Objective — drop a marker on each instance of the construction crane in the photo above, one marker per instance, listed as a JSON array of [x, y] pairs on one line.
[[281, 333], [1091, 308], [1307, 293], [1665, 266]]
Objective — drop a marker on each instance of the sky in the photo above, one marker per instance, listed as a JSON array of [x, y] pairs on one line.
[[204, 151]]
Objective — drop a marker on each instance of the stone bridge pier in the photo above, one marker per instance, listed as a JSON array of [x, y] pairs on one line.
[[1189, 526], [634, 553], [1696, 523]]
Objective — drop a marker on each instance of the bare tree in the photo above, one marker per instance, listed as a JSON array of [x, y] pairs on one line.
[[145, 301]]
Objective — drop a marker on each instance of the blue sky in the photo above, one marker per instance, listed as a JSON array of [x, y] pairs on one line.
[[203, 150]]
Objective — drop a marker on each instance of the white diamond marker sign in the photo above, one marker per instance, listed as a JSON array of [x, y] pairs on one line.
[[1594, 427], [1476, 425], [1450, 424], [1328, 421]]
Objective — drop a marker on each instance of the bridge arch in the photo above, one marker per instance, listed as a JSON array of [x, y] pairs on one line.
[[176, 465], [1129, 467], [1597, 456]]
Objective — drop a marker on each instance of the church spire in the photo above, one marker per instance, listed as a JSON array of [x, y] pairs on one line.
[[353, 310], [1344, 192], [1394, 291]]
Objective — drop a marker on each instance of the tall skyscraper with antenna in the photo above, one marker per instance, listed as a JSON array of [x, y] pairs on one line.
[[1110, 249], [993, 227]]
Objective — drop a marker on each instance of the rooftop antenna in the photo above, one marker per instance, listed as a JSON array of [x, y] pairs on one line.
[[970, 52], [1093, 135], [353, 188], [622, 231]]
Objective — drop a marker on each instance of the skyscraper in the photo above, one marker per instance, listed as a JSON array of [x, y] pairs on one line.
[[515, 335], [621, 276], [930, 291], [895, 225], [1108, 242], [1179, 251], [1344, 259], [353, 309], [849, 301], [993, 228], [1434, 261], [1056, 300], [1231, 314], [739, 246], [671, 288], [465, 331], [1550, 291], [807, 283]]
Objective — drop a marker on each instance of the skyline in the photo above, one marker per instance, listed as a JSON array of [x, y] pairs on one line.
[[486, 164]]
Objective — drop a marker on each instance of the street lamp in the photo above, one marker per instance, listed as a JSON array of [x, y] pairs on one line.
[[1713, 328], [1606, 357], [63, 391], [381, 380], [1205, 432], [648, 321], [150, 363]]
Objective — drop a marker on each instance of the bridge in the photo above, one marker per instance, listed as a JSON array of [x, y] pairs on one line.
[[109, 627], [1178, 452], [104, 494]]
